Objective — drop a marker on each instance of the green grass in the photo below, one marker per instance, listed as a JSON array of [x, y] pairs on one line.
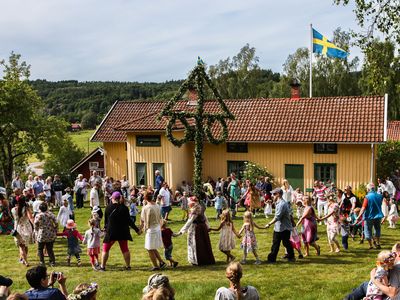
[[329, 276], [81, 139]]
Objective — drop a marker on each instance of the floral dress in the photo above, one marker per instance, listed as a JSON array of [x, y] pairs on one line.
[[227, 238], [24, 228], [333, 221], [249, 241]]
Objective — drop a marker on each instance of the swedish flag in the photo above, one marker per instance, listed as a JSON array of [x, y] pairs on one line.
[[322, 45]]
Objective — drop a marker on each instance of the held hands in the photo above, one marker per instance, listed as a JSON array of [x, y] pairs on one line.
[[268, 226]]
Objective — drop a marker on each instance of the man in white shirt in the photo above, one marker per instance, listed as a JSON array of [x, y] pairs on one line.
[[94, 195], [165, 194], [386, 185]]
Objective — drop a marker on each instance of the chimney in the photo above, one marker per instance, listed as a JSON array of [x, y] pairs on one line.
[[295, 89], [192, 95]]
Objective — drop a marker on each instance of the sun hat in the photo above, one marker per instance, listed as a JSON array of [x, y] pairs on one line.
[[70, 224]]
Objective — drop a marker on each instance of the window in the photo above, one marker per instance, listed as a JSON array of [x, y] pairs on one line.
[[148, 140], [325, 172], [159, 167], [93, 165], [141, 174], [237, 167], [236, 147], [325, 148]]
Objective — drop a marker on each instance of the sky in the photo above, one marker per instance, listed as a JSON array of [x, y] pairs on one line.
[[158, 40]]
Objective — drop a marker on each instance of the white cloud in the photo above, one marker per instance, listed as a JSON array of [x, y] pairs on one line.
[[156, 40]]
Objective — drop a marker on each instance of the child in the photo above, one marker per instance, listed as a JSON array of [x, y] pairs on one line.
[[268, 206], [184, 206], [356, 228], [68, 197], [344, 231], [167, 234], [92, 240], [64, 214], [332, 224], [133, 210], [219, 204], [249, 242], [73, 236], [97, 215], [393, 215], [384, 262], [299, 208], [226, 240]]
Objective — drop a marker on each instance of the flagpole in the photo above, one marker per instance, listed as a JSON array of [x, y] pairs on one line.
[[311, 53]]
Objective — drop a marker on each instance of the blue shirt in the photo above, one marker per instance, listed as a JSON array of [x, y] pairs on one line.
[[282, 215], [374, 207], [45, 294], [159, 181], [219, 201], [37, 188]]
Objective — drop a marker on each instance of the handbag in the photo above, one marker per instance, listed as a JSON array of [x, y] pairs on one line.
[[295, 239]]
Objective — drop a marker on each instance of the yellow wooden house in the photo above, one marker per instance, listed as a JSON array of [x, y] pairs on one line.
[[301, 139]]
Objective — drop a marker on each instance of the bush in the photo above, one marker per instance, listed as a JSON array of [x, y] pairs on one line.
[[253, 171], [388, 158]]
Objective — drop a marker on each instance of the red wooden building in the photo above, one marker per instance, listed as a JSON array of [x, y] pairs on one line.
[[94, 161]]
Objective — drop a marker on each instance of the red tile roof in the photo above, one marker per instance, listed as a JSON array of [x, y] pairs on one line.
[[394, 131], [305, 120]]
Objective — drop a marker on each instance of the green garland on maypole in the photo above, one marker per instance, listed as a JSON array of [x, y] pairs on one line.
[[197, 79]]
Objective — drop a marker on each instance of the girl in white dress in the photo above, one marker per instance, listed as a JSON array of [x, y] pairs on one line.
[[64, 214], [227, 239]]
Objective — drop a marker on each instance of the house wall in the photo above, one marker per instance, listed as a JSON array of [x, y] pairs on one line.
[[177, 161], [353, 162], [84, 168], [115, 158]]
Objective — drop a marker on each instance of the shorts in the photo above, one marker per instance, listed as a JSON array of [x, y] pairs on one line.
[[168, 252], [165, 210], [123, 245], [376, 224]]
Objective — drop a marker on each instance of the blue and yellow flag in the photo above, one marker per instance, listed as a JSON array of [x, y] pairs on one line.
[[322, 45]]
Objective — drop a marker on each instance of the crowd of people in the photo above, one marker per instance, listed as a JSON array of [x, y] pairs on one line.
[[28, 215]]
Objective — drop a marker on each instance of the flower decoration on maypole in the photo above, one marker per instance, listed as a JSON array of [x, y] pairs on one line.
[[202, 127]]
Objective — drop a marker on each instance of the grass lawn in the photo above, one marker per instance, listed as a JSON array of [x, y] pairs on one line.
[[329, 276], [81, 138]]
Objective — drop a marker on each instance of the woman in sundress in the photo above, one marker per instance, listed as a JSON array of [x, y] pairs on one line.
[[309, 226], [23, 234]]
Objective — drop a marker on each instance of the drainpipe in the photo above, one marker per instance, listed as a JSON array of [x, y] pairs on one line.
[[372, 163]]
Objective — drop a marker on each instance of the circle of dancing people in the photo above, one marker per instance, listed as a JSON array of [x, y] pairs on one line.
[[28, 216]]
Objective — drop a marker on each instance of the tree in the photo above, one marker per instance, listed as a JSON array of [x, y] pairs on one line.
[[331, 77], [241, 76], [89, 121], [254, 171], [381, 74], [62, 152], [203, 121], [376, 15], [388, 158], [21, 123]]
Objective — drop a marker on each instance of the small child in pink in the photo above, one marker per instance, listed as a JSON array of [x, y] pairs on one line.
[[92, 240]]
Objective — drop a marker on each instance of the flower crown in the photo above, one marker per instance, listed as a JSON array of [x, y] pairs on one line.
[[90, 289]]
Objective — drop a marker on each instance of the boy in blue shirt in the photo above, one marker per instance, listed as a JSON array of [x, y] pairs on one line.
[[220, 204]]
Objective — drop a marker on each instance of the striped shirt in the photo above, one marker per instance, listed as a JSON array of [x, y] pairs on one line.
[[320, 193]]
